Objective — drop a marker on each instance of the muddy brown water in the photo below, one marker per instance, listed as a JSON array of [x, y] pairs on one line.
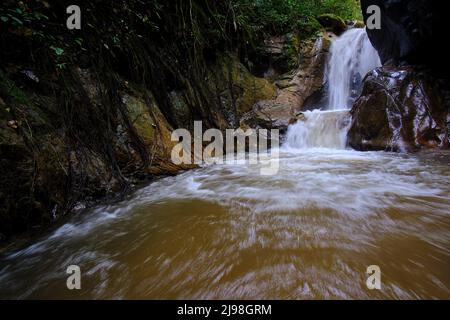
[[227, 232]]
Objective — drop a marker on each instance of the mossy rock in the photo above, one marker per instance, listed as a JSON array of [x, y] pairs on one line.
[[149, 123], [332, 23], [291, 51], [359, 24], [284, 83], [247, 88], [140, 118], [309, 27]]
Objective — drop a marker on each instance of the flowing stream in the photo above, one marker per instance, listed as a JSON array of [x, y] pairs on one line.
[[226, 231]]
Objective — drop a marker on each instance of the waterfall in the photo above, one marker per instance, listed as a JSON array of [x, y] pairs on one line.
[[352, 56], [320, 129]]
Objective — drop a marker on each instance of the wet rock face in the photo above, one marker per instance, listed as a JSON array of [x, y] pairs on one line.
[[399, 110], [406, 29], [309, 78], [278, 56], [301, 89]]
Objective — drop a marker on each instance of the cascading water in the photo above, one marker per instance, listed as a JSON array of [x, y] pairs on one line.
[[320, 129], [352, 56]]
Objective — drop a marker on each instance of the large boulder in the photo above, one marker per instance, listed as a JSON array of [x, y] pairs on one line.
[[405, 105], [399, 110], [268, 114]]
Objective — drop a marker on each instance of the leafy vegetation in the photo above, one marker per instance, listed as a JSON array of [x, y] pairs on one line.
[[283, 16], [196, 25]]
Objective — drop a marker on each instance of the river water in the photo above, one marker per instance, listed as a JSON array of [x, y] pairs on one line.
[[225, 231], [228, 232]]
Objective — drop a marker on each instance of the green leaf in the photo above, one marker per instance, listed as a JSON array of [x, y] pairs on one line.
[[4, 18], [16, 20], [61, 65], [40, 16], [58, 51]]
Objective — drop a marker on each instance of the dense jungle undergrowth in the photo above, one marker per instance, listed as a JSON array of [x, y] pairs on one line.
[[67, 131]]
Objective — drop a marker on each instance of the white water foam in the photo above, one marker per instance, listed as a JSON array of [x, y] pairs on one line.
[[352, 56]]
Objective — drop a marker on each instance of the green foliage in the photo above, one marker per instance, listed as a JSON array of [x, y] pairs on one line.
[[346, 9], [58, 51], [20, 15], [185, 29], [282, 16]]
